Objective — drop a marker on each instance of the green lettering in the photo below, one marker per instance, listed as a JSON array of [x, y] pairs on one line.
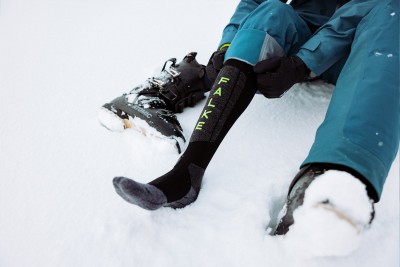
[[199, 125], [205, 114], [223, 80], [218, 92], [209, 103]]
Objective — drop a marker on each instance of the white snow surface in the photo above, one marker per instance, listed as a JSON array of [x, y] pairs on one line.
[[336, 227], [59, 62]]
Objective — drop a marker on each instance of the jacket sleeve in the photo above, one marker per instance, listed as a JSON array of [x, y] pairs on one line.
[[244, 8], [334, 39]]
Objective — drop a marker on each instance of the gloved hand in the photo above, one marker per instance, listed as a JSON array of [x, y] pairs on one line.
[[277, 75], [215, 64]]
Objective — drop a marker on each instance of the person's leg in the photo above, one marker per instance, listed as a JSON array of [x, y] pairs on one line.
[[361, 128], [231, 93], [360, 134]]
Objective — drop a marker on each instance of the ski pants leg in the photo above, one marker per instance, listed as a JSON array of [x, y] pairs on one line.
[[362, 126], [272, 29]]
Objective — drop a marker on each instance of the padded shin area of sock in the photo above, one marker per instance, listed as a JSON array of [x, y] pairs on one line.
[[223, 97]]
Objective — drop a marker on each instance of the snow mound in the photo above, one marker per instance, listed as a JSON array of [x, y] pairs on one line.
[[332, 220], [110, 120]]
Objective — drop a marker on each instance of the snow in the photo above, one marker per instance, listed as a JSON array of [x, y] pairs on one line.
[[59, 62], [348, 212], [108, 119]]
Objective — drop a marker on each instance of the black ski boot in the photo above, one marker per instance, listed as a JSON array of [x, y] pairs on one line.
[[313, 172], [154, 102]]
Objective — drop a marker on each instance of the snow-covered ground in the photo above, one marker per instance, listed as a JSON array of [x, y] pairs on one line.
[[60, 61]]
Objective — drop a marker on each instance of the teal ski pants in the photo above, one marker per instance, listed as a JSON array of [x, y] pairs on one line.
[[361, 127], [359, 52]]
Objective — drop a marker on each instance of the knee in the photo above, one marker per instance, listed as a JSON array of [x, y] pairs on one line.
[[270, 12]]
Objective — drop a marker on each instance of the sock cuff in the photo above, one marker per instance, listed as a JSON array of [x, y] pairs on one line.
[[242, 66]]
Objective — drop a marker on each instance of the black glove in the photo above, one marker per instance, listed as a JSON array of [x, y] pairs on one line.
[[215, 64], [277, 75]]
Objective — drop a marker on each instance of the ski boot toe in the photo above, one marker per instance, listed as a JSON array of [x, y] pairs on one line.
[[111, 120], [317, 187], [326, 212], [154, 122]]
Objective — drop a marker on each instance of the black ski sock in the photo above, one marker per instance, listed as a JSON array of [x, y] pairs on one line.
[[230, 95]]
